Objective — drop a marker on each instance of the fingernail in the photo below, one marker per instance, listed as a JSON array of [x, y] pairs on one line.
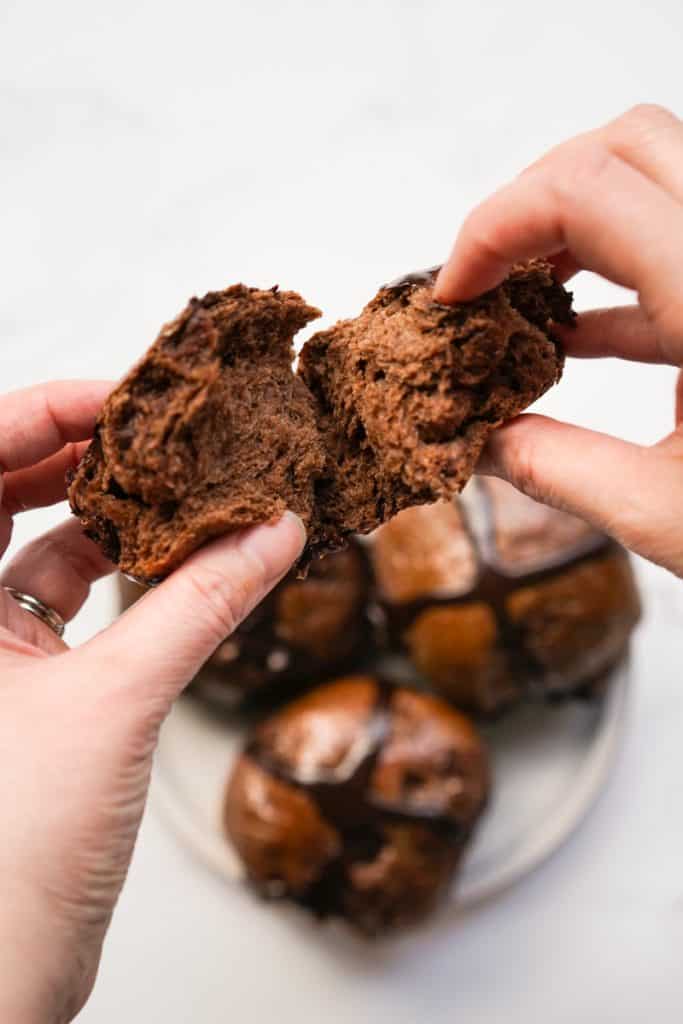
[[437, 291], [278, 544], [294, 518]]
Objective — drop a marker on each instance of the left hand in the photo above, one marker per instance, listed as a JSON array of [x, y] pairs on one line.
[[78, 727]]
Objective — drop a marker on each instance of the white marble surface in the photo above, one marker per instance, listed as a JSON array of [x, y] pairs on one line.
[[153, 149]]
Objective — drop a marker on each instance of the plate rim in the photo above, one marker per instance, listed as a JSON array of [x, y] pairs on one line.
[[588, 786]]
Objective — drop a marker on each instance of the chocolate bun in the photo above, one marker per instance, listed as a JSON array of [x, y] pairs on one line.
[[213, 431], [498, 597], [358, 800]]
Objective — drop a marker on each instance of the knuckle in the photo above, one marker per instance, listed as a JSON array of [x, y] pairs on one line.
[[524, 470], [582, 169], [52, 418], [220, 602], [82, 560], [530, 461], [514, 450], [225, 601], [38, 551], [664, 310], [478, 228], [639, 128], [647, 116], [63, 553]]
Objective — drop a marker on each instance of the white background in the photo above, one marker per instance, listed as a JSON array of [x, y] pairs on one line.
[[153, 150]]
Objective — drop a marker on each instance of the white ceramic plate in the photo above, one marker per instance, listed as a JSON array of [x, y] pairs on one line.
[[549, 764]]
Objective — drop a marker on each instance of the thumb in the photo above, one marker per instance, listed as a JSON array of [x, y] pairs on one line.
[[159, 644], [631, 492]]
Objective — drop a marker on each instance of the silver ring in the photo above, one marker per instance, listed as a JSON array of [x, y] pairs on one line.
[[41, 611]]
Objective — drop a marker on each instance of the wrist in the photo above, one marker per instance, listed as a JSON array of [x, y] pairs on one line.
[[47, 965]]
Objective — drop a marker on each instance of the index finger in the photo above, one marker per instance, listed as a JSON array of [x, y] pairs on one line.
[[38, 421], [590, 204]]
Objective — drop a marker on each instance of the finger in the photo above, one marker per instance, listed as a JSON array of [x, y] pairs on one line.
[[58, 568], [37, 422], [578, 201], [630, 492], [23, 633], [5, 526], [606, 214], [565, 266], [43, 484], [650, 138], [679, 398], [187, 616], [623, 332]]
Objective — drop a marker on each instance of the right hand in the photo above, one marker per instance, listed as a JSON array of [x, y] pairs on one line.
[[610, 201]]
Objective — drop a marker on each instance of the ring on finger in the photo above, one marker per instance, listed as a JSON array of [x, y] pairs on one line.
[[52, 619]]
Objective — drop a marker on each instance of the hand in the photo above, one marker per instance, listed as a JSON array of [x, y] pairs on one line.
[[78, 728], [610, 201]]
